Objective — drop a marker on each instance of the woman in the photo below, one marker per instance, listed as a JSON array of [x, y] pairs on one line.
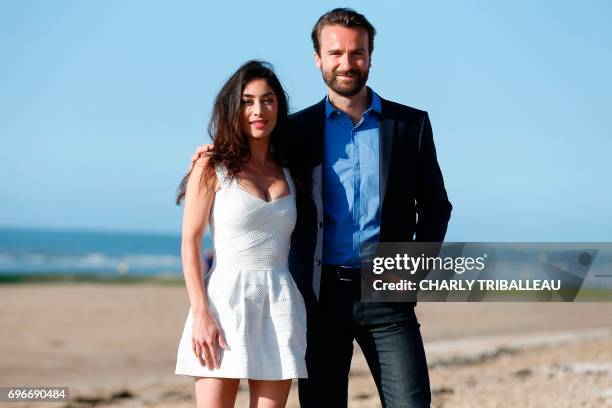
[[247, 316]]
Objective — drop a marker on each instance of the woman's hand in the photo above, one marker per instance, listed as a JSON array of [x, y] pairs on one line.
[[200, 151], [207, 340]]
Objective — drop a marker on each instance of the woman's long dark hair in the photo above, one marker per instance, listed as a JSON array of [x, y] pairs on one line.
[[231, 147]]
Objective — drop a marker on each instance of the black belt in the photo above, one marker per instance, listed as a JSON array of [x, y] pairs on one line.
[[342, 273]]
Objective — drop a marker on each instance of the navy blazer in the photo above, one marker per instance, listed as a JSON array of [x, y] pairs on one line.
[[413, 201]]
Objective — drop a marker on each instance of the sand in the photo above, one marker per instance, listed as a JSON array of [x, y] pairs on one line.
[[115, 346]]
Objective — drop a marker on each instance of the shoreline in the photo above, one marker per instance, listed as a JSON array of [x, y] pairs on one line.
[[60, 278]]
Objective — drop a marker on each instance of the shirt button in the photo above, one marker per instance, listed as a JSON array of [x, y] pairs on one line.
[[320, 224], [317, 261]]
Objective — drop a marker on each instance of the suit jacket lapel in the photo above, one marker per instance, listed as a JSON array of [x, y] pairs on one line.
[[318, 130], [317, 133], [386, 136]]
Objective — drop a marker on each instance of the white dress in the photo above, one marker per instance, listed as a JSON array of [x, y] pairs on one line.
[[250, 290]]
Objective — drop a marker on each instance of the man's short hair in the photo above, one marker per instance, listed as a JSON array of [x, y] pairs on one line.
[[344, 17]]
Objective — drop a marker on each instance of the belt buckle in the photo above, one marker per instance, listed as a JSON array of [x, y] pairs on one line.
[[339, 269]]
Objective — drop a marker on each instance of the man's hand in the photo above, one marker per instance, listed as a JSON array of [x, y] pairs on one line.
[[200, 151]]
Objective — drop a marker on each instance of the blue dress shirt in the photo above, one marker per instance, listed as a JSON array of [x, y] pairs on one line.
[[351, 195]]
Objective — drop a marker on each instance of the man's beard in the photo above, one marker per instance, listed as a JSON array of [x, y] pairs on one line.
[[346, 88]]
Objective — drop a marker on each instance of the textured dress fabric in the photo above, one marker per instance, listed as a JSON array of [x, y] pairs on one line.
[[250, 291]]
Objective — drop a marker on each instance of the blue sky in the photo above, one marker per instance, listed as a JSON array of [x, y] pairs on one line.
[[103, 102]]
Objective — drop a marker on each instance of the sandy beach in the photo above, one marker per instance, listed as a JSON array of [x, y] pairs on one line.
[[115, 346]]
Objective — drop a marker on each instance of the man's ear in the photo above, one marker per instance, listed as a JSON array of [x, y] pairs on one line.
[[317, 60]]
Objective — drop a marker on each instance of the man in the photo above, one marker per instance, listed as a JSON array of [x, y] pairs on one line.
[[367, 169], [373, 169]]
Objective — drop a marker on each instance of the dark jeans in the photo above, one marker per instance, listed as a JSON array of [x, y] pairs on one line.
[[388, 334]]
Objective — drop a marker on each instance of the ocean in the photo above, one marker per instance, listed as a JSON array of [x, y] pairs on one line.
[[40, 251]]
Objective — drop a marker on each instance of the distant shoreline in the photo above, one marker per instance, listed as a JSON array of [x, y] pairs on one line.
[[12, 278]]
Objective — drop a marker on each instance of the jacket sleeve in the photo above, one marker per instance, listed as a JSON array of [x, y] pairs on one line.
[[433, 207]]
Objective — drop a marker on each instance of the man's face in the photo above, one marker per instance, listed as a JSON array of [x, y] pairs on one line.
[[344, 58]]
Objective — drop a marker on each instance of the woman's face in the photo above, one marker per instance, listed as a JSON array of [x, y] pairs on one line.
[[259, 109]]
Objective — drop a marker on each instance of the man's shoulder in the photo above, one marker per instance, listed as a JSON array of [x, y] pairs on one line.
[[309, 113], [399, 111]]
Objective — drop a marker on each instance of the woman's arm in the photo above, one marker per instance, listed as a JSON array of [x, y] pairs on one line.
[[199, 195]]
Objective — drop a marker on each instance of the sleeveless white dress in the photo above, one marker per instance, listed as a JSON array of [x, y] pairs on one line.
[[250, 290]]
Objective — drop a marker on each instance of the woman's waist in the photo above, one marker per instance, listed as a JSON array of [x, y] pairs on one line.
[[238, 272], [251, 261]]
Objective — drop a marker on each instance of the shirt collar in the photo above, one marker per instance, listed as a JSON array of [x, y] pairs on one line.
[[375, 105]]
